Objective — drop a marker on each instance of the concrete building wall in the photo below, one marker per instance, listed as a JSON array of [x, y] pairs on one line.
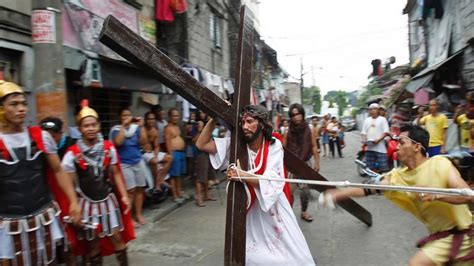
[[293, 91], [461, 16], [16, 53], [467, 14], [201, 50], [22, 6]]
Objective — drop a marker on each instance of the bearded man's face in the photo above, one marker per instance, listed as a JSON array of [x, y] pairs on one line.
[[251, 127]]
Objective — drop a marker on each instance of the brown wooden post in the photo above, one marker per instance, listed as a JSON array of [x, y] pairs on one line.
[[235, 231]]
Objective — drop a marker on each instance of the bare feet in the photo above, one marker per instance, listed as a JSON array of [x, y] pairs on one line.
[[141, 220]]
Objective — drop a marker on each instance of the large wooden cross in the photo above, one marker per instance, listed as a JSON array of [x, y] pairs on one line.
[[148, 58]]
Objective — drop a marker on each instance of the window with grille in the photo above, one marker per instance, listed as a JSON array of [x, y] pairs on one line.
[[215, 27]]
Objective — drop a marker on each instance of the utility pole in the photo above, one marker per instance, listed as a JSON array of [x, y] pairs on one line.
[[49, 80], [301, 79]]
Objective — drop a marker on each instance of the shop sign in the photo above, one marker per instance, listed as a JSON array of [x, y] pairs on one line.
[[147, 29], [43, 27]]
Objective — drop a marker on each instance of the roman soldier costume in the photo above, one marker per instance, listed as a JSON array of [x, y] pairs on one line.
[[97, 199], [30, 228]]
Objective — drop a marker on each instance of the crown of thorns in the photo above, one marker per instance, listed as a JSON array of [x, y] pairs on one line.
[[254, 111]]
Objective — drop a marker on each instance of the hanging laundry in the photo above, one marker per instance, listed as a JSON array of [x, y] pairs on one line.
[[230, 86], [163, 11], [179, 6]]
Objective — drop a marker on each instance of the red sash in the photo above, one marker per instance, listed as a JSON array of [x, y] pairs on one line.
[[79, 247], [261, 170]]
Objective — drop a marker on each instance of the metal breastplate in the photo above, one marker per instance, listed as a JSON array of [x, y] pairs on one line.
[[23, 186], [94, 187]]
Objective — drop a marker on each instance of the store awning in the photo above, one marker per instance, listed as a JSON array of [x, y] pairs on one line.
[[424, 77]]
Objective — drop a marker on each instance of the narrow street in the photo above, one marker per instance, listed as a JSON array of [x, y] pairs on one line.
[[195, 236]]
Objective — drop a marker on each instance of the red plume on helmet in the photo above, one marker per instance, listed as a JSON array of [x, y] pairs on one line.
[[84, 103]]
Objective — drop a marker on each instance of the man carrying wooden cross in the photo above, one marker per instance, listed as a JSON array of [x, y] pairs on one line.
[[273, 236]]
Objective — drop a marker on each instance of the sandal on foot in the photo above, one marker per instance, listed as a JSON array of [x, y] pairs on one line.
[[200, 204], [211, 199], [307, 217]]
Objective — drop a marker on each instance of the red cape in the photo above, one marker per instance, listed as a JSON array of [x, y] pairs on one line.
[[79, 247], [261, 170]]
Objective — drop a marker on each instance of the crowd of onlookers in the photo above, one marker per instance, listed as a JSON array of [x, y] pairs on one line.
[[329, 134], [376, 131], [156, 155]]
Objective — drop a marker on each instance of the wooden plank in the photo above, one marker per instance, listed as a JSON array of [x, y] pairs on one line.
[[143, 54], [147, 57], [301, 169], [235, 232]]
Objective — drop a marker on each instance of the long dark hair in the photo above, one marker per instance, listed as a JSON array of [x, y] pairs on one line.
[[261, 113], [298, 107]]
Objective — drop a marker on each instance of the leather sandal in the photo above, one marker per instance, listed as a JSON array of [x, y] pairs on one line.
[[307, 217]]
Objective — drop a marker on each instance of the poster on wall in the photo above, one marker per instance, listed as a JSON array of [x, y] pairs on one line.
[[83, 22], [43, 27]]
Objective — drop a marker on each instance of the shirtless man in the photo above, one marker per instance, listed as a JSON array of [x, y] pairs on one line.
[[153, 156], [316, 131], [176, 146]]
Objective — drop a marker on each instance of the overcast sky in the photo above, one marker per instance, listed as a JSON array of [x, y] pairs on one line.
[[338, 39]]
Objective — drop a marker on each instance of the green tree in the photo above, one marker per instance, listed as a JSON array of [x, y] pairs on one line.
[[341, 100], [367, 91], [312, 96], [331, 102]]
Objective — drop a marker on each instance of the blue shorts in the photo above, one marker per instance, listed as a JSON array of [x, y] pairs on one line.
[[325, 139], [376, 161], [435, 150], [178, 167]]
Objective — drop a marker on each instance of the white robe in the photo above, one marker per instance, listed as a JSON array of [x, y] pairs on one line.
[[273, 235]]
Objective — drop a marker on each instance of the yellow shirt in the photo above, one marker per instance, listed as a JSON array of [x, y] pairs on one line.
[[435, 126], [435, 215], [466, 126]]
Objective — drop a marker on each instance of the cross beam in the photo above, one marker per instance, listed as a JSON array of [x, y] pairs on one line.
[[147, 57]]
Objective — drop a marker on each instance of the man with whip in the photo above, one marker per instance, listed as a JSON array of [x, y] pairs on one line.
[[447, 217]]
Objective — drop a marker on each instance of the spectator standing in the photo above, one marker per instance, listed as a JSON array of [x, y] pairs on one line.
[[420, 112], [54, 126], [176, 146], [437, 125], [325, 134], [159, 162], [191, 130], [284, 127], [316, 129], [128, 137], [465, 121], [204, 171], [300, 142], [333, 132], [160, 124], [374, 131], [342, 142]]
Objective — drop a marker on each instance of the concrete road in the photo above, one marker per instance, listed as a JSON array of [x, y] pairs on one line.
[[195, 236]]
